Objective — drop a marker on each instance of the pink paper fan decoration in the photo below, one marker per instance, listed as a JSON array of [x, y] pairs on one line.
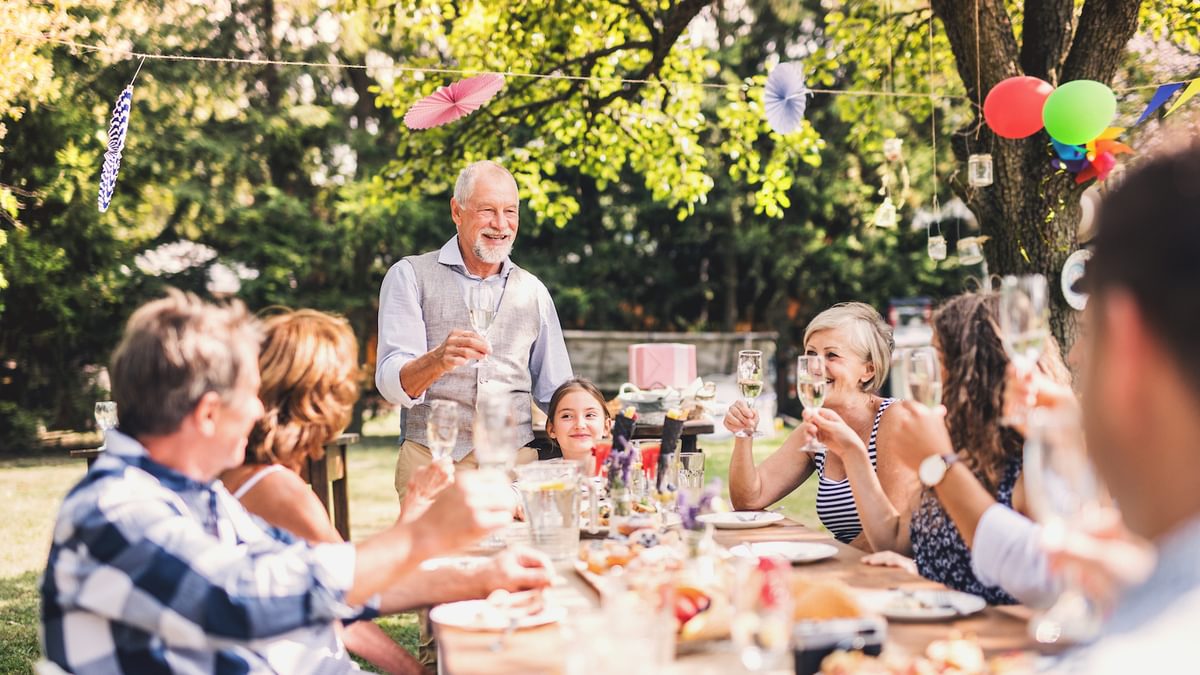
[[453, 101]]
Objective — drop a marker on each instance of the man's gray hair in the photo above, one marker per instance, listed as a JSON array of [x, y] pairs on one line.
[[465, 185]]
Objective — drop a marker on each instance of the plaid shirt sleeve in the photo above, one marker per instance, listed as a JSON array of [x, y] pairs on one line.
[[129, 551]]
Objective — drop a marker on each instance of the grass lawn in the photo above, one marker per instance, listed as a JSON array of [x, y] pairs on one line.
[[32, 488]]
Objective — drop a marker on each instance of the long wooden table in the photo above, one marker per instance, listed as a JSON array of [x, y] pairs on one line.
[[542, 650]]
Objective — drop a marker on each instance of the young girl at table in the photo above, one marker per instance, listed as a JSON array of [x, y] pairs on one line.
[[577, 418]]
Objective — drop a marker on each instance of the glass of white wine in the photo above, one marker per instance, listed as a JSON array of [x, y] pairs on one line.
[[811, 383], [494, 438], [441, 429], [1024, 325], [750, 382], [481, 305], [923, 375], [106, 418]]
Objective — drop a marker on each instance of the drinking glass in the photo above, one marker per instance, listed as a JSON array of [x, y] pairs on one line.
[[442, 429], [922, 375], [691, 471], [495, 444], [550, 492], [1062, 489], [106, 418], [750, 381], [1024, 325], [810, 389], [481, 305], [762, 611]]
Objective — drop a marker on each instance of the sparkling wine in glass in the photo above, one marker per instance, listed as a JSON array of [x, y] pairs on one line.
[[1024, 324], [441, 429], [811, 383], [106, 418], [481, 306], [750, 382], [494, 438], [922, 375], [762, 620], [1063, 490]]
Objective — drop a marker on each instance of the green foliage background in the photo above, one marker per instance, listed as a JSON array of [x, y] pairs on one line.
[[653, 206]]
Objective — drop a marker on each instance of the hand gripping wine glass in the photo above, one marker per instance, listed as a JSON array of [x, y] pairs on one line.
[[1063, 490], [811, 383], [481, 305], [1024, 325], [922, 375], [441, 429], [106, 418], [750, 381]]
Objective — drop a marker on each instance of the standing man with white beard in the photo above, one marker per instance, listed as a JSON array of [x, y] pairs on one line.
[[426, 342]]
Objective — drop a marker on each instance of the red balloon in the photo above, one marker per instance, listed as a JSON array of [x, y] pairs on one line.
[[1013, 108]]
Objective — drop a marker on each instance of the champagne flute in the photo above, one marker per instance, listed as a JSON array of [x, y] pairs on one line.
[[1024, 325], [481, 305], [922, 375], [106, 418], [750, 381], [495, 445], [1063, 489], [810, 389], [762, 620], [441, 429]]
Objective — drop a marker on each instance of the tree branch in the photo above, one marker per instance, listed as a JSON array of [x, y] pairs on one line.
[[1105, 27], [997, 48], [1047, 33]]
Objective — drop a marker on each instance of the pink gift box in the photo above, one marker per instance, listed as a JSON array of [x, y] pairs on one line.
[[662, 364]]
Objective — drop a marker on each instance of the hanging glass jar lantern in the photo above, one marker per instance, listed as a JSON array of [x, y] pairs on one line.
[[970, 250], [885, 215], [937, 247], [893, 149], [979, 170]]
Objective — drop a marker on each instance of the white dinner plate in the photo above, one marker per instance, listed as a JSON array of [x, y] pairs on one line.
[[792, 551], [482, 616], [922, 605], [741, 520]]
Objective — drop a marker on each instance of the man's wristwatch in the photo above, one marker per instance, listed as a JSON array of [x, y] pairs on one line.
[[934, 467]]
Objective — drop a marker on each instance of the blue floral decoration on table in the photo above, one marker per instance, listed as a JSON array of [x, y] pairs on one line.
[[785, 97], [117, 129]]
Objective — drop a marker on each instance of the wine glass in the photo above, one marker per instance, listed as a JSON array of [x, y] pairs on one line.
[[1024, 325], [922, 375], [441, 429], [495, 445], [810, 389], [750, 381], [481, 305], [106, 418], [762, 605], [1063, 489]]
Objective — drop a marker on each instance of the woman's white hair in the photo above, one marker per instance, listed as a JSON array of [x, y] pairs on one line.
[[869, 335], [465, 185]]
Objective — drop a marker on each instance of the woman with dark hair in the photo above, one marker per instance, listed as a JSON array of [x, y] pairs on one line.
[[967, 461]]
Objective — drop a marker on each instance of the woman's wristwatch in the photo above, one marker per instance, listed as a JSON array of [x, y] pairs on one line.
[[934, 467]]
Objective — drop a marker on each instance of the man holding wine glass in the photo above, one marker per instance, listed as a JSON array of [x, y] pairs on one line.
[[465, 319]]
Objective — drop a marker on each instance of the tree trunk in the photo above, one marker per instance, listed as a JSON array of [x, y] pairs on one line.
[[1031, 210]]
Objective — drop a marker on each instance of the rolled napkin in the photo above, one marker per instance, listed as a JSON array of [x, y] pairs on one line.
[[625, 423], [672, 430]]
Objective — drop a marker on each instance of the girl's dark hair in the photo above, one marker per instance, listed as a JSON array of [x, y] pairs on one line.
[[575, 384], [968, 334]]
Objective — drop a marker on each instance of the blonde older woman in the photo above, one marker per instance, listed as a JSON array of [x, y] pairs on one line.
[[857, 345]]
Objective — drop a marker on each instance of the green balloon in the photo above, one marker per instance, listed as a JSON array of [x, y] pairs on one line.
[[1079, 111]]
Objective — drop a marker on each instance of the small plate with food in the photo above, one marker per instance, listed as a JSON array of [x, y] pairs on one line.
[[922, 604], [741, 520], [501, 611]]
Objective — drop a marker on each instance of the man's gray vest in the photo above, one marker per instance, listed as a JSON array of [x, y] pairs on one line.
[[511, 336]]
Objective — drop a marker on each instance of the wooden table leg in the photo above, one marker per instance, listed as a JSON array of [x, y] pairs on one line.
[[687, 444]]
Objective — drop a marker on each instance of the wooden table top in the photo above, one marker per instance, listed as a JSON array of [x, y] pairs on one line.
[[542, 650]]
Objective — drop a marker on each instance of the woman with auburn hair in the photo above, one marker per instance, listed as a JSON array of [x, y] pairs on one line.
[[308, 365]]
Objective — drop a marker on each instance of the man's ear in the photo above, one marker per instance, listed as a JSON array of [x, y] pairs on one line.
[[206, 414], [455, 211], [1124, 349]]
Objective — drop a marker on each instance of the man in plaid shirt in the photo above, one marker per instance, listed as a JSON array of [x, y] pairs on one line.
[[155, 567]]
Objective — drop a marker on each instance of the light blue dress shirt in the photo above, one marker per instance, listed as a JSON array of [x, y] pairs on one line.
[[402, 329]]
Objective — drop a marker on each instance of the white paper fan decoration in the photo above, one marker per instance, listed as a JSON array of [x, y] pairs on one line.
[[785, 97]]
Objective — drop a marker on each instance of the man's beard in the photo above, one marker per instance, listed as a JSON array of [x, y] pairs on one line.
[[492, 255]]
